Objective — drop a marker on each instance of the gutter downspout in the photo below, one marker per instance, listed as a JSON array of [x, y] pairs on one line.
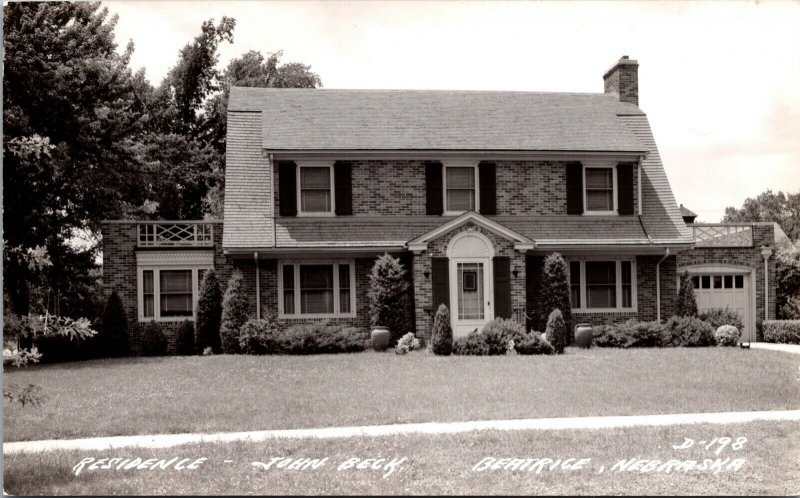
[[258, 285], [766, 252], [658, 285]]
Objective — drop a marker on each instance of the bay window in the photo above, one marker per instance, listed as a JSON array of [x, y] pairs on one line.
[[602, 285], [316, 289]]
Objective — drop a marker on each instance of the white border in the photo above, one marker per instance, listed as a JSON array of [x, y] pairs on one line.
[[460, 164], [614, 194], [315, 164]]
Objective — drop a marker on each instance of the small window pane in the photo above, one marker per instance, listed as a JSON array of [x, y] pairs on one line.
[[344, 288], [200, 275], [148, 295], [600, 178], [601, 297], [599, 200], [316, 289], [696, 282], [626, 272], [460, 200], [706, 282], [601, 285], [176, 292], [729, 281], [461, 178], [739, 281], [288, 289], [147, 281], [599, 189], [717, 281], [460, 189], [575, 283], [627, 296], [315, 201], [179, 281], [315, 178]]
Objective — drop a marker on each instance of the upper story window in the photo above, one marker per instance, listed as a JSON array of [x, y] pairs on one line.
[[317, 289], [315, 189], [460, 189], [603, 285], [599, 191]]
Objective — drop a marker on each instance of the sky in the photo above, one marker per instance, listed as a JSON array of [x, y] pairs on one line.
[[719, 81]]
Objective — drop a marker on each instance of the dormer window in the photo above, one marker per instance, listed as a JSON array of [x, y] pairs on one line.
[[315, 189], [460, 189], [599, 191]]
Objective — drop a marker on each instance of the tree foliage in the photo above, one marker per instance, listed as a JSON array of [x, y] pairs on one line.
[[687, 303], [555, 292], [782, 208], [442, 332], [787, 282], [235, 311], [388, 297], [113, 338], [209, 314], [556, 331]]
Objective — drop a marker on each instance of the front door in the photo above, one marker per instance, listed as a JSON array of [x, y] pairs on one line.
[[470, 294]]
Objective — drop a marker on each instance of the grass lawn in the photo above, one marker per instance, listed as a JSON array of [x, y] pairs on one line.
[[235, 393], [440, 465]]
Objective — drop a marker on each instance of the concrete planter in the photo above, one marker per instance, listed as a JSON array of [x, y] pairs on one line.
[[380, 338]]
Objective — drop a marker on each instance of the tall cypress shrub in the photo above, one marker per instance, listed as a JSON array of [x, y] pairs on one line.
[[209, 314], [687, 304], [442, 332], [235, 307], [112, 341], [556, 331], [555, 292], [388, 297], [184, 342]]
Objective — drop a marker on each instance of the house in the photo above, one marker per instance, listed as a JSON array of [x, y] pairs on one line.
[[470, 189]]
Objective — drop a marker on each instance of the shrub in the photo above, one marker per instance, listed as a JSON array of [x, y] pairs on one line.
[[782, 331], [184, 342], [556, 332], [258, 336], [727, 335], [407, 343], [472, 344], [154, 342], [607, 336], [631, 334], [787, 284], [388, 297], [321, 338], [112, 340], [498, 332], [555, 293], [533, 343], [687, 331], [687, 304], [717, 317], [235, 306], [442, 333], [209, 314]]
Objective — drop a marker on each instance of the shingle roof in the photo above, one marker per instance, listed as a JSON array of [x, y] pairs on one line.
[[316, 119]]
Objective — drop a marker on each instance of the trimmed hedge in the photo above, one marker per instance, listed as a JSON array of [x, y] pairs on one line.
[[556, 332], [494, 340], [688, 331], [264, 337], [154, 342], [534, 343], [717, 317], [782, 331], [442, 333], [631, 334], [727, 335]]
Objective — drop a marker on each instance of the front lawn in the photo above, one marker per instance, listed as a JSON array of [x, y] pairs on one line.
[[236, 393], [442, 465]]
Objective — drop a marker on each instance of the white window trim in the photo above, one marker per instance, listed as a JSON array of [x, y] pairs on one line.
[[614, 193], [460, 164], [157, 291], [303, 316], [619, 309], [315, 164]]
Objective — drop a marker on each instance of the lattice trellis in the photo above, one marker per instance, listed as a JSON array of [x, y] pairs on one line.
[[723, 235], [176, 234]]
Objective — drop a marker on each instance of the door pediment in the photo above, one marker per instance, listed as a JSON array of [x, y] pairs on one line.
[[521, 243]]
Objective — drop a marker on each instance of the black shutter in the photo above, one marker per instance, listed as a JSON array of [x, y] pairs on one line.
[[502, 287], [487, 177], [574, 188], [625, 185], [433, 188], [343, 183], [440, 282], [287, 188]]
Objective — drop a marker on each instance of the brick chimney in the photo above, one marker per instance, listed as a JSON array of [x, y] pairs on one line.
[[623, 80]]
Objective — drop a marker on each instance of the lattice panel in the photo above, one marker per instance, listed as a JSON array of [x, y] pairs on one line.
[[723, 235], [176, 234]]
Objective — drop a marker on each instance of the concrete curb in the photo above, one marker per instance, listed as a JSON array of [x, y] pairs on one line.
[[613, 422], [784, 348]]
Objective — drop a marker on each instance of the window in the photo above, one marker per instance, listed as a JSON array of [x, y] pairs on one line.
[[739, 281], [599, 184], [316, 189], [168, 293], [718, 281], [460, 191], [317, 289], [602, 285]]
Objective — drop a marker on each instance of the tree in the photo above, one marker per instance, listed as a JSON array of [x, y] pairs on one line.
[[184, 341], [556, 331], [784, 209], [555, 292], [687, 304], [442, 332], [112, 341], [209, 314], [787, 283], [388, 297], [235, 311]]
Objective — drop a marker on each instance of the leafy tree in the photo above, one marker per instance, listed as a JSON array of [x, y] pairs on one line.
[[555, 292], [687, 304], [782, 208], [556, 331], [112, 341], [154, 342], [787, 282], [235, 310], [184, 342], [388, 297], [442, 332], [209, 314]]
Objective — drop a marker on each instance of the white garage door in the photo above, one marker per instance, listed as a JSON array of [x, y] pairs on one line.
[[721, 290]]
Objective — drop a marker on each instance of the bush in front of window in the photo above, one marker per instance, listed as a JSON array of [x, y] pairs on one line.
[[717, 317], [112, 339], [687, 304], [727, 335], [688, 331], [209, 314], [556, 331], [258, 335], [321, 338], [184, 341], [782, 331], [407, 343], [154, 342], [631, 334], [555, 293], [534, 343], [388, 297], [235, 308], [442, 333]]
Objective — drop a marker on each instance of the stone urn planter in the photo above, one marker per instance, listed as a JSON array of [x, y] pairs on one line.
[[583, 335], [380, 338]]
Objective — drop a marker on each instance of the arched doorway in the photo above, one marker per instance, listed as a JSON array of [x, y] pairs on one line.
[[470, 254]]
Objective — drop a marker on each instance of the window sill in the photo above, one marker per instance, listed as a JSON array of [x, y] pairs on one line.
[[311, 214], [316, 316], [600, 213], [143, 319], [605, 310]]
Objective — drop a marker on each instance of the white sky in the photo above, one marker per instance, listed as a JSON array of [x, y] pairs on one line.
[[720, 81]]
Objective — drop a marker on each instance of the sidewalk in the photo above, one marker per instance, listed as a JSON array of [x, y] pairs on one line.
[[785, 348], [613, 422]]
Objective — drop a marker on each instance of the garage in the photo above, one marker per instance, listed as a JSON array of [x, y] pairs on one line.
[[731, 289]]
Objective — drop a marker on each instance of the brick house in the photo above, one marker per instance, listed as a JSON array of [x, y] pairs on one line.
[[470, 189]]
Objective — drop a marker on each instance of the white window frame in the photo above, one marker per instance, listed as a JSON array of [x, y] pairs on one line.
[[156, 269], [614, 193], [315, 164], [619, 309], [336, 314], [460, 164]]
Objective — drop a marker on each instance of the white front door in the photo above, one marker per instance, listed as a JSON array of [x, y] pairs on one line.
[[470, 294]]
